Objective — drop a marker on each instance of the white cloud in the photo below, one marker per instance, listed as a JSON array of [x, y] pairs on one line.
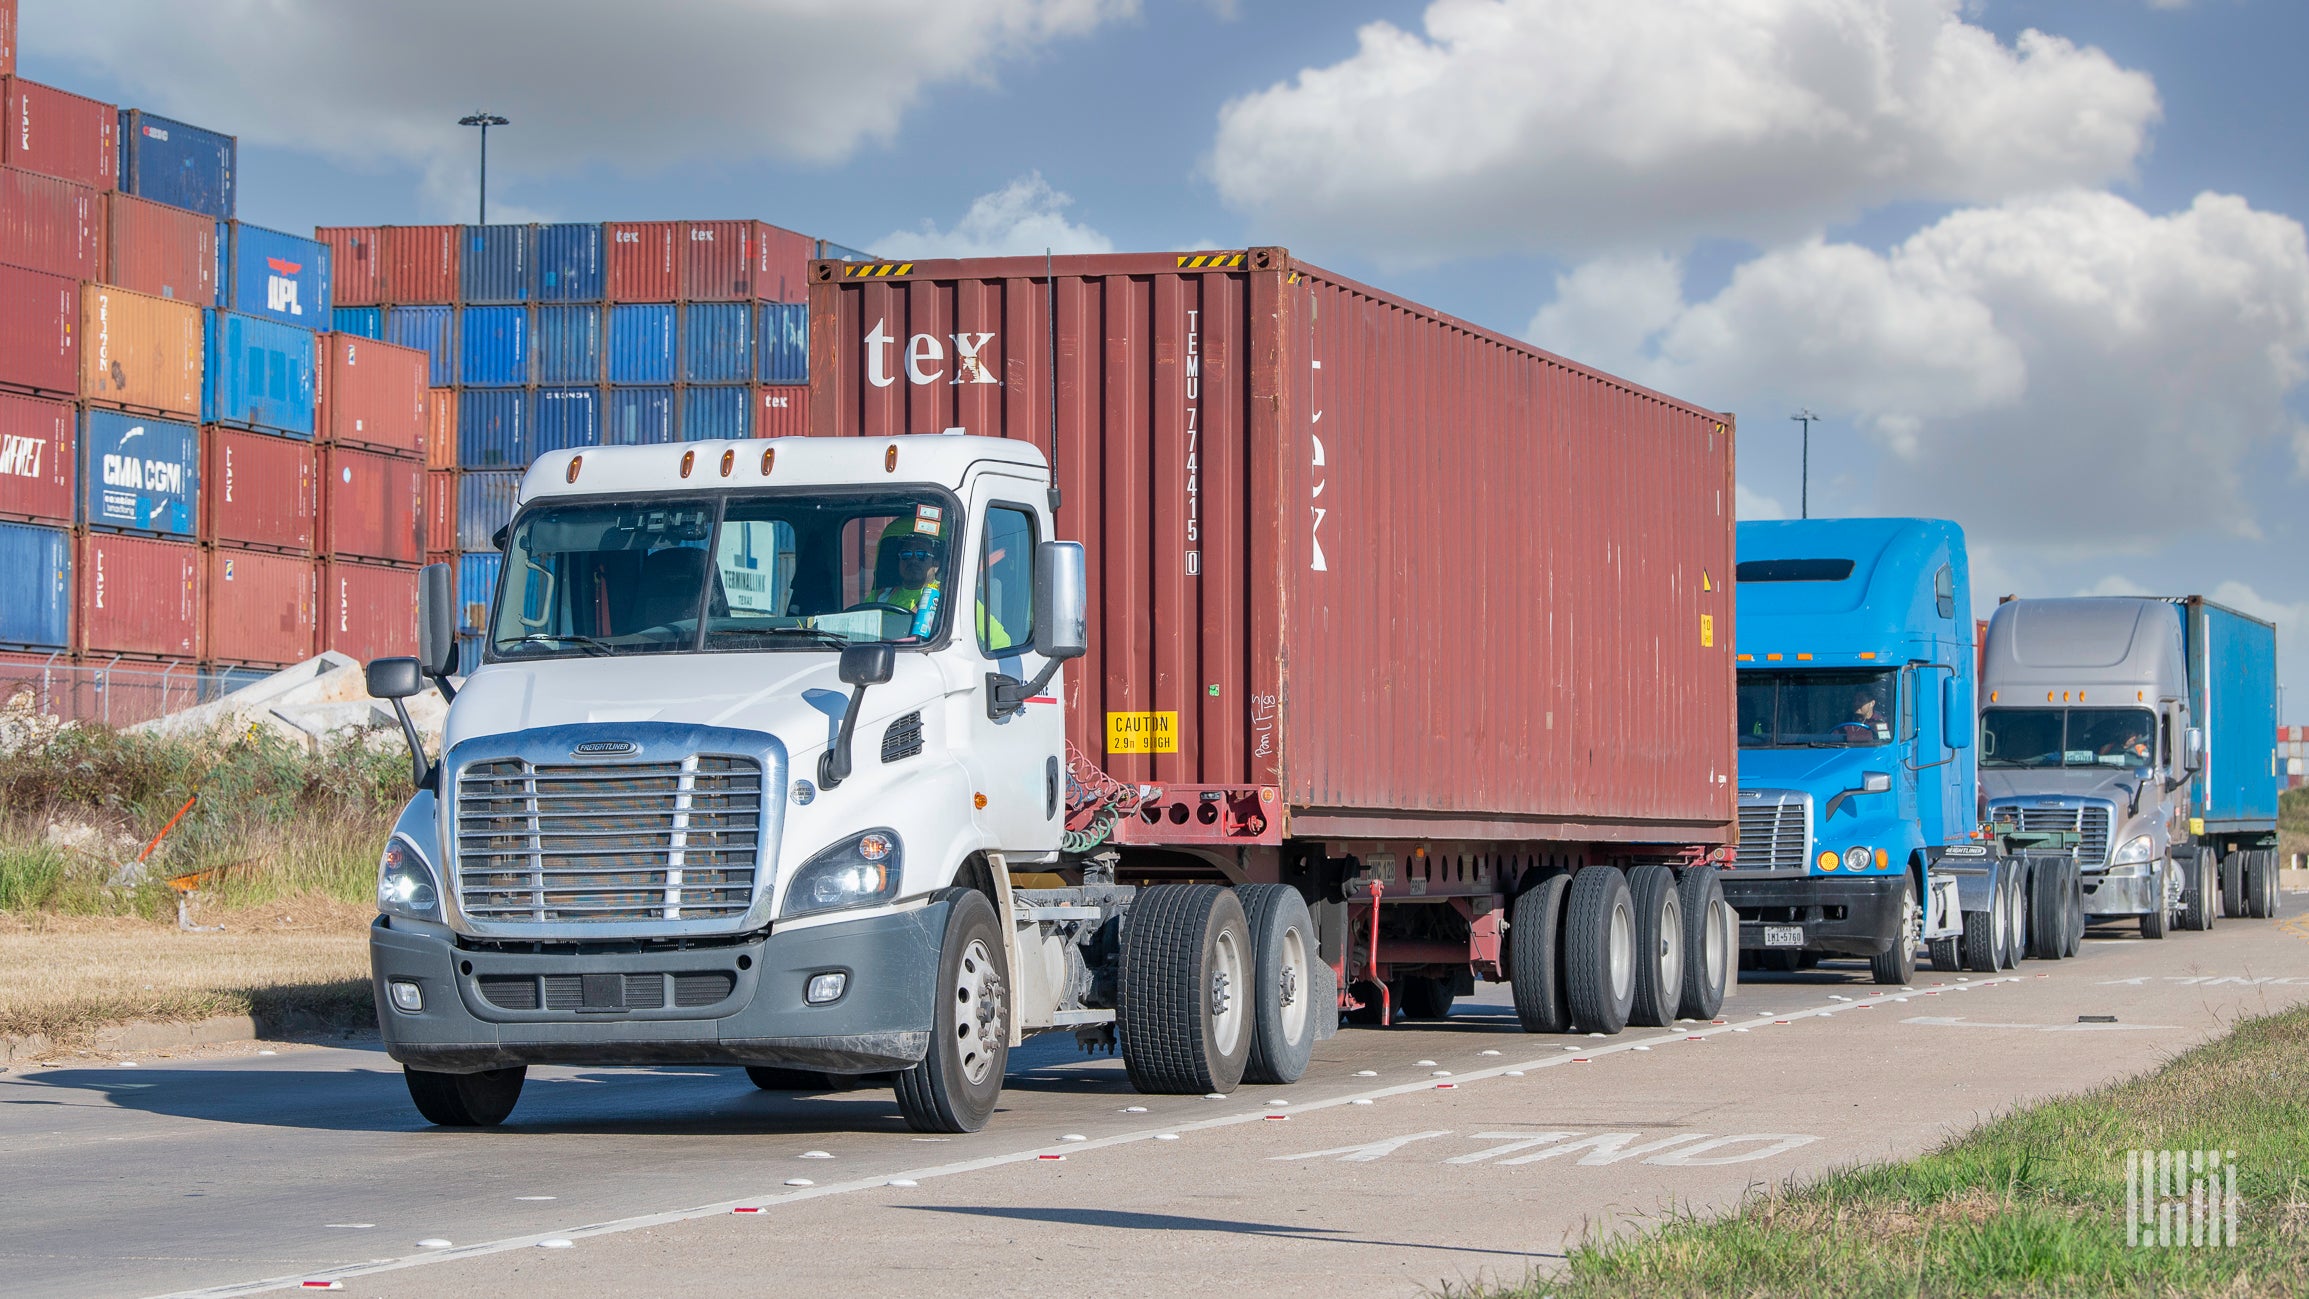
[[1755, 505], [2067, 373], [1024, 218], [1583, 125], [583, 81]]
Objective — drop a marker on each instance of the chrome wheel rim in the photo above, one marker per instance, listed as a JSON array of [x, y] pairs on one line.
[[1671, 953], [1226, 992], [980, 1027], [1621, 951], [1291, 995]]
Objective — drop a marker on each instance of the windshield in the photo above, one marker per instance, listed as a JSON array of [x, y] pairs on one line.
[[797, 570], [2067, 737], [1816, 709]]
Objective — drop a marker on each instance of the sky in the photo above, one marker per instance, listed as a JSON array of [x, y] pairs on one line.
[[2037, 265]]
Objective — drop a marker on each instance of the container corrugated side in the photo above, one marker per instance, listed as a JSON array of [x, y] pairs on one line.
[[476, 592], [441, 428], [35, 586], [263, 609], [640, 417], [716, 412], [1288, 604], [39, 332], [177, 163], [717, 342], [493, 349], [431, 330], [356, 264], [420, 264], [7, 38], [51, 225], [273, 274], [374, 395], [485, 503], [492, 428], [261, 375], [259, 491], [161, 250], [440, 511], [138, 473], [642, 343], [781, 411], [495, 265], [561, 418], [368, 611], [139, 598], [372, 507], [367, 322], [782, 342], [568, 339], [569, 266], [57, 133], [39, 459], [642, 260], [744, 260], [140, 352]]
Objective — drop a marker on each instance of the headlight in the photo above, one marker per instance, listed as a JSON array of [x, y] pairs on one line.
[[2139, 848], [1856, 859], [857, 872], [405, 884]]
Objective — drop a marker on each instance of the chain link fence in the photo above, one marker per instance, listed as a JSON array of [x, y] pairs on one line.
[[115, 694]]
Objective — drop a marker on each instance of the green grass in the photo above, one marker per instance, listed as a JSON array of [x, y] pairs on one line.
[[2030, 1204]]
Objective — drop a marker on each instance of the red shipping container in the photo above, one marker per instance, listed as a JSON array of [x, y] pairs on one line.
[[51, 225], [373, 394], [39, 332], [420, 264], [45, 684], [57, 133], [39, 439], [725, 261], [165, 251], [440, 511], [368, 611], [372, 507], [263, 608], [356, 264], [782, 411], [1274, 470], [259, 491], [644, 260], [7, 38], [137, 598]]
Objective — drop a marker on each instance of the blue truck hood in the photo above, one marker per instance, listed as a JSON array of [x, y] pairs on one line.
[[1819, 772]]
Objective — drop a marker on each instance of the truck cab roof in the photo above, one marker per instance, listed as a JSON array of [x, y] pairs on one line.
[[944, 459], [1845, 592]]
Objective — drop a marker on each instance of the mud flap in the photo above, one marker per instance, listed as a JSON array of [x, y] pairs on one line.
[[1327, 997]]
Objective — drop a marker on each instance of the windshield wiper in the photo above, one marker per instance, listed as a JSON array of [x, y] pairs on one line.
[[819, 634], [597, 648]]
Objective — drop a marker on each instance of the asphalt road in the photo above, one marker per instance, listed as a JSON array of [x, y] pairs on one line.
[[1409, 1157]]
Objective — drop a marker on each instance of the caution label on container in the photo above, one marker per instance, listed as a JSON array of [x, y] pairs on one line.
[[1142, 732], [1707, 631]]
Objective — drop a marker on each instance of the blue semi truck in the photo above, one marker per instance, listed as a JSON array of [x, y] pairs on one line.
[[1860, 826]]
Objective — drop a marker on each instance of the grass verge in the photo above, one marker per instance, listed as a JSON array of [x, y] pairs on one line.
[[2032, 1203]]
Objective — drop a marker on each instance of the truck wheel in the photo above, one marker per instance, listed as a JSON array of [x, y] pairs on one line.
[[1897, 963], [1534, 956], [2153, 920], [1423, 996], [960, 1077], [1711, 942], [1185, 989], [1984, 939], [1599, 950], [465, 1100], [2258, 874], [2073, 897], [2016, 919], [2233, 902], [1659, 945], [2048, 912], [2197, 900], [1284, 982], [1944, 955]]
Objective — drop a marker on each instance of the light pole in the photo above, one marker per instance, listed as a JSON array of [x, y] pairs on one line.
[[1804, 491], [484, 121]]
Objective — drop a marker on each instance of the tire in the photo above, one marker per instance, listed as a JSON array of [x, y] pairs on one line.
[[1945, 956], [2258, 877], [955, 1087], [1659, 946], [1285, 987], [1982, 944], [1711, 942], [1423, 996], [2016, 919], [1535, 956], [2048, 911], [2197, 900], [2153, 921], [465, 1100], [1599, 950], [2233, 899], [1896, 965], [2073, 895], [1186, 999]]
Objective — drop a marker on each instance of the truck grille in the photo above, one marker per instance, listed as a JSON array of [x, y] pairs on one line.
[[600, 842], [1775, 831], [2091, 823]]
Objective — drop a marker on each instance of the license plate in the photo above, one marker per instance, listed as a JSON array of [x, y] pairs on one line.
[[1783, 935]]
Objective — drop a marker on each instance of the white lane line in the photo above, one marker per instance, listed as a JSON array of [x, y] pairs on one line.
[[1168, 1132]]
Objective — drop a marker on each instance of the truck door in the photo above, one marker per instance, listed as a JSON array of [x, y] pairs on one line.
[[1017, 761]]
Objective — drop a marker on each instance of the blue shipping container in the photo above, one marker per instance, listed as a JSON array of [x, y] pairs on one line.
[[2233, 681], [784, 343], [281, 277], [569, 264], [365, 322], [139, 475], [568, 342], [639, 417], [563, 418], [484, 504], [716, 413], [494, 347], [35, 586], [170, 162], [641, 338], [495, 264], [258, 374], [428, 329], [493, 428], [717, 342], [476, 583]]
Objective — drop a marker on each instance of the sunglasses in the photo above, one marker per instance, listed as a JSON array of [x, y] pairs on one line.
[[917, 552]]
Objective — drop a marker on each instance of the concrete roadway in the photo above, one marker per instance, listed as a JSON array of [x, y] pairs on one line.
[[1408, 1157]]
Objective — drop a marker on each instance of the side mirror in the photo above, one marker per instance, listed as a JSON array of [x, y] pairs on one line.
[[1956, 717], [1061, 600], [2193, 749], [436, 622], [1875, 782], [395, 678], [868, 665]]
